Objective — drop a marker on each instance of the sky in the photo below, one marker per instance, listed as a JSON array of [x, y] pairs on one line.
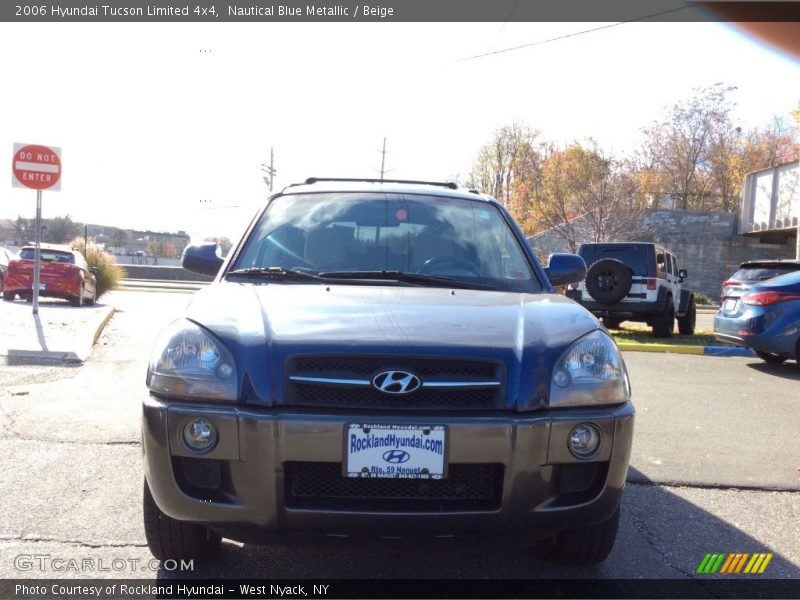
[[164, 126]]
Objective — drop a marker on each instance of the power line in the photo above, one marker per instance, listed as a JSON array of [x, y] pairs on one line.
[[575, 34]]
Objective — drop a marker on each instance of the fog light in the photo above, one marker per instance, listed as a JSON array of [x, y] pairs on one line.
[[584, 440], [199, 434]]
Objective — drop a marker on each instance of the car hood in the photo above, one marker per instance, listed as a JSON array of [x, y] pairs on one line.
[[264, 324]]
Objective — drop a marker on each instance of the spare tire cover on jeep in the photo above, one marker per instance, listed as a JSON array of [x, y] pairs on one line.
[[608, 280]]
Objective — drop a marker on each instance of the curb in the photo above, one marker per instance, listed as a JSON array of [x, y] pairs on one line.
[[70, 356], [102, 325], [686, 349]]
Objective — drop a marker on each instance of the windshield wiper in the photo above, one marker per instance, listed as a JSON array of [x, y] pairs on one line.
[[405, 277], [271, 273]]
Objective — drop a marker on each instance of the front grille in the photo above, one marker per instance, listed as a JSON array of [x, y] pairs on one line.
[[364, 368], [320, 485]]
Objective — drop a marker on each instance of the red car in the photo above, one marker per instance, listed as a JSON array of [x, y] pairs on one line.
[[64, 274]]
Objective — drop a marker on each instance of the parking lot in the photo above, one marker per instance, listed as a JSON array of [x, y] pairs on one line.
[[713, 469]]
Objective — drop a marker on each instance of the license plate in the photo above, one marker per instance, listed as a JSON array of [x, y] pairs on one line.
[[389, 451], [730, 304]]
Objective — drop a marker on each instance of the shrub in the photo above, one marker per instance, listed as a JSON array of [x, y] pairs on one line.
[[703, 299], [109, 273]]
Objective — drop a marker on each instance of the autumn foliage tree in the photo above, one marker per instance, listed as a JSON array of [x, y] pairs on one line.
[[694, 154], [699, 156], [584, 193]]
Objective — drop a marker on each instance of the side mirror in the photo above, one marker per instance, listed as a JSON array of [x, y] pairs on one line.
[[94, 270], [683, 274], [565, 268], [203, 258]]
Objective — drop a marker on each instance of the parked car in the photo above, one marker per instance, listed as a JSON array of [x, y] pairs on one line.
[[765, 318], [635, 281], [63, 274], [384, 359], [6, 256], [754, 271]]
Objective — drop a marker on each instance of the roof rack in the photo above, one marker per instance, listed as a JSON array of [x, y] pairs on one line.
[[448, 184]]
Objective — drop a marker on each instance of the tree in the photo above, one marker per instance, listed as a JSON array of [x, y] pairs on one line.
[[24, 230], [119, 238], [585, 194], [700, 156], [224, 244], [161, 248], [677, 149], [60, 230], [507, 168]]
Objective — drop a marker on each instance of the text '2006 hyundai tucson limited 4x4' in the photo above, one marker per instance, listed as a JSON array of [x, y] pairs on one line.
[[385, 359]]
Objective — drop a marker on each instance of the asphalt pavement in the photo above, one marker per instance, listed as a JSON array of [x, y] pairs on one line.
[[713, 468]]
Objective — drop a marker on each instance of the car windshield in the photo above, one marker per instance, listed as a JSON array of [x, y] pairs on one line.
[[750, 274], [352, 236], [48, 255]]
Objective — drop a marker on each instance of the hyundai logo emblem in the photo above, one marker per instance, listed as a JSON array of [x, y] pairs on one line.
[[396, 456], [396, 382]]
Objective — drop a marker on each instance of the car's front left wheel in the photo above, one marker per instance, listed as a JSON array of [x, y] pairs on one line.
[[168, 538], [775, 359], [584, 546]]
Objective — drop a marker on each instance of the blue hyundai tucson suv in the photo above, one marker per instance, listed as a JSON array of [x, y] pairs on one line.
[[379, 358]]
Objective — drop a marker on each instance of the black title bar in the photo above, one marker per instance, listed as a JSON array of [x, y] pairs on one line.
[[107, 589], [253, 11]]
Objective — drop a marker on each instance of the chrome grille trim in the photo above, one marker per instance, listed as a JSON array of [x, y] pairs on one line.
[[367, 382]]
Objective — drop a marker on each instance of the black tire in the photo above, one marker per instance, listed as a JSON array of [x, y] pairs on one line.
[[168, 538], [608, 280], [797, 355], [770, 358], [687, 322], [78, 301], [93, 300], [612, 322], [585, 546], [664, 323], [8, 296]]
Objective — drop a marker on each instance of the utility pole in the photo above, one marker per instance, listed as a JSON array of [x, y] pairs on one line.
[[269, 170], [383, 159]]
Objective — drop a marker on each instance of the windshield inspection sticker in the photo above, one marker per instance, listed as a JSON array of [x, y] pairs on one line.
[[395, 451]]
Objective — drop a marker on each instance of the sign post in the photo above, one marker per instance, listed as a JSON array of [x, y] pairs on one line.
[[39, 168]]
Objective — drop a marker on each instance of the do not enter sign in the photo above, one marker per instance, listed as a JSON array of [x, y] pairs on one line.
[[37, 167]]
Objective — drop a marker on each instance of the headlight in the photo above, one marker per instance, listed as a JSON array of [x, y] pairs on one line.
[[188, 362], [591, 371]]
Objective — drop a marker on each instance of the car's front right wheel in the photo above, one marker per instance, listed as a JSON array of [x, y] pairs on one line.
[[168, 538], [584, 546]]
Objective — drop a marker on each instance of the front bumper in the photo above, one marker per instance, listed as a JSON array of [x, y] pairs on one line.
[[541, 488]]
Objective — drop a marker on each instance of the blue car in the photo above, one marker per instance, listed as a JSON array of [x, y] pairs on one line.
[[766, 319], [385, 359]]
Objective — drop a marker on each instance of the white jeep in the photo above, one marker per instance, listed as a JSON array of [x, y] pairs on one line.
[[635, 281]]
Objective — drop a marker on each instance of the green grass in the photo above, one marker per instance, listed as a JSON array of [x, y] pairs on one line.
[[642, 334]]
